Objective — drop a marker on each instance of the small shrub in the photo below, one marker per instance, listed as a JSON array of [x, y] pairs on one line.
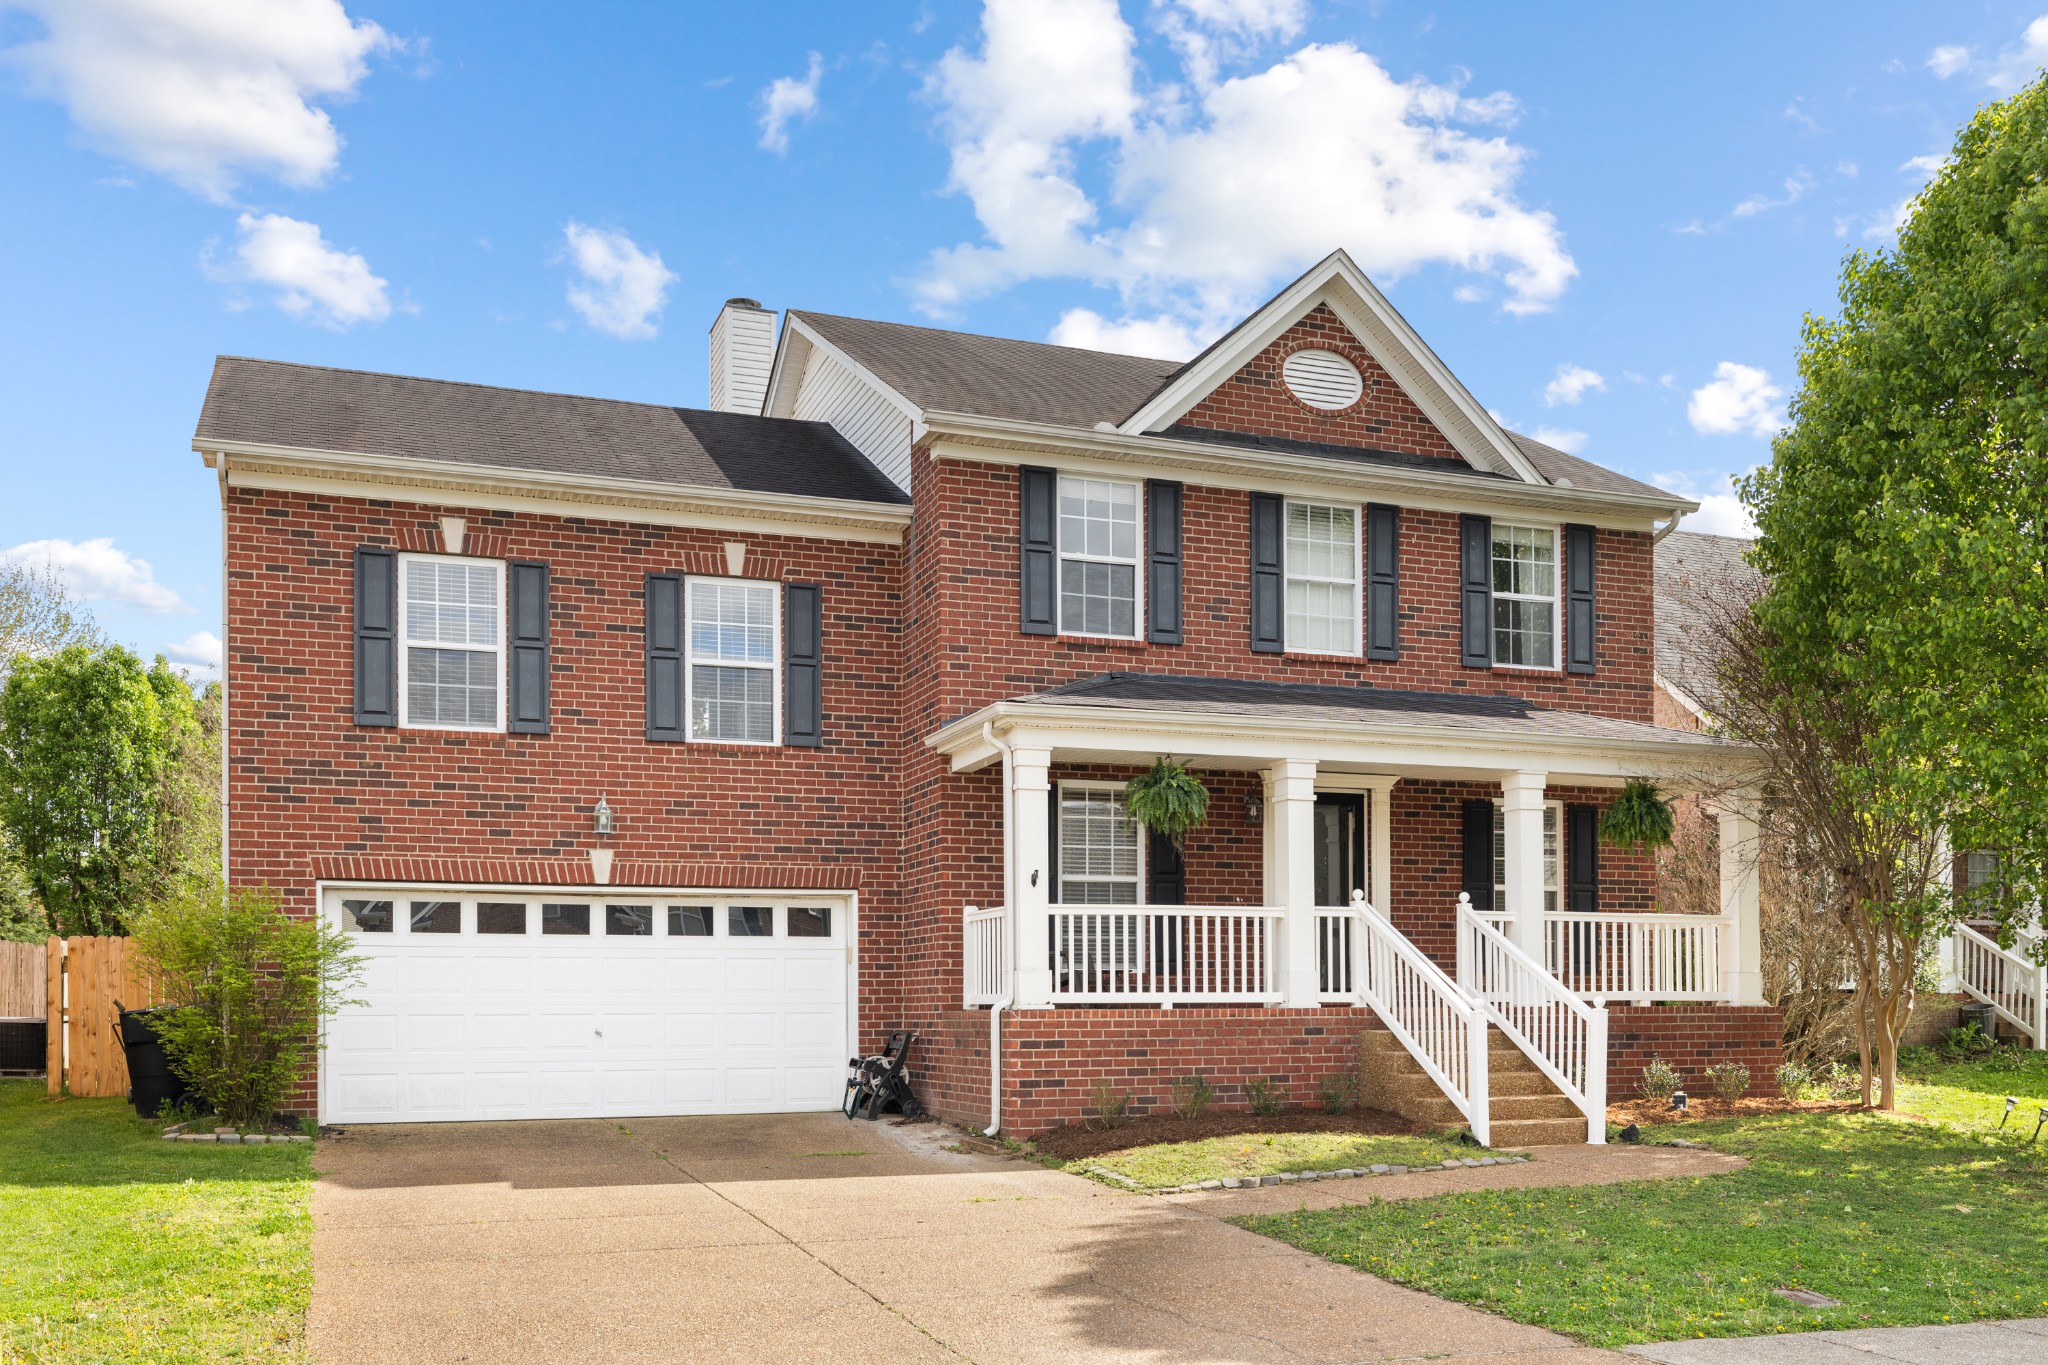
[[1794, 1080], [1660, 1079], [1191, 1096], [1842, 1081], [1112, 1107], [1967, 1040], [1340, 1093], [1730, 1080], [1261, 1096]]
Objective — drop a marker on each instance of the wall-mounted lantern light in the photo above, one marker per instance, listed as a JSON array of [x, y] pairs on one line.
[[1254, 809], [601, 817]]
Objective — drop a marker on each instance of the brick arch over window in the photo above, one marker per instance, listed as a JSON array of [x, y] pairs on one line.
[[1255, 400]]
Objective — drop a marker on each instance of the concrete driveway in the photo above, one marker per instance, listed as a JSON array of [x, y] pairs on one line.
[[810, 1238]]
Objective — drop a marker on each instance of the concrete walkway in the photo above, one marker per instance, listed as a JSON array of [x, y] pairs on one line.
[[2023, 1342], [809, 1238]]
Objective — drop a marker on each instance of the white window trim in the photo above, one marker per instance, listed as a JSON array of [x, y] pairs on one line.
[[1556, 597], [1557, 891], [1059, 879], [690, 662], [405, 646], [1287, 575], [1137, 562]]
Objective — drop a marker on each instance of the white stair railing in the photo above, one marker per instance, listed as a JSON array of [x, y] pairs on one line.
[[1423, 1008], [1563, 1035], [2011, 983], [984, 953]]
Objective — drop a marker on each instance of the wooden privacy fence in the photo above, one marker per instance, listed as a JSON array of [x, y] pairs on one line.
[[23, 980], [84, 978]]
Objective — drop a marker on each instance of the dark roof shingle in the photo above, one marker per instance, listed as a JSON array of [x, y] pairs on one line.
[[311, 407], [1698, 575]]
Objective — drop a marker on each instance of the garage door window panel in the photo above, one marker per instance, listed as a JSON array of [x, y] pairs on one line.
[[750, 921], [366, 916], [689, 921], [435, 917], [810, 921], [501, 917], [629, 921], [564, 918], [451, 643]]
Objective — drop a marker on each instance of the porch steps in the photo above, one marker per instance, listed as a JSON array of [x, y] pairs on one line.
[[1526, 1109]]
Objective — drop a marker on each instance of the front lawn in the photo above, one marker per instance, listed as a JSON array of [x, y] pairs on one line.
[[1936, 1219], [1167, 1164], [118, 1246]]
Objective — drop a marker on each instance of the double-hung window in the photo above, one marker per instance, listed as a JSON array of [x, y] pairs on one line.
[[1100, 862], [452, 642], [731, 664], [1524, 596], [1322, 578], [1553, 812], [1098, 546]]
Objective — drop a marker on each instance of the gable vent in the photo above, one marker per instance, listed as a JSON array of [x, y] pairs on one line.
[[1322, 379]]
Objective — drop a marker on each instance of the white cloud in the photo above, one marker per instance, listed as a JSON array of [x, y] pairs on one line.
[[1739, 400], [96, 571], [2011, 68], [788, 98], [1162, 338], [1220, 192], [1565, 439], [199, 651], [1208, 33], [620, 289], [1721, 512], [203, 91], [1927, 165], [1571, 383], [313, 280], [1796, 187]]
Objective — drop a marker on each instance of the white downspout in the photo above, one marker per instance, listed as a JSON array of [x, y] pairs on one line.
[[1667, 528], [995, 1011]]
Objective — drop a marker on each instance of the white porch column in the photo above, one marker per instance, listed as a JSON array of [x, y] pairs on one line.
[[1030, 878], [1291, 875], [1379, 847], [1742, 898], [1522, 821]]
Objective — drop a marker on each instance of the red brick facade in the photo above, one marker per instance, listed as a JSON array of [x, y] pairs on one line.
[[1693, 1038]]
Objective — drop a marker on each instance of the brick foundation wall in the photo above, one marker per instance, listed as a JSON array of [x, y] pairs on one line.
[[1693, 1038], [1052, 1059]]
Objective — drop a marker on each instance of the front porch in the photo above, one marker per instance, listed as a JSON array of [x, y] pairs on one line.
[[1435, 867]]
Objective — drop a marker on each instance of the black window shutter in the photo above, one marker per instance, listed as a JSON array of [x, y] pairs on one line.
[[1383, 582], [1578, 608], [526, 712], [1582, 859], [1475, 590], [376, 637], [665, 657], [1479, 816], [1162, 541], [803, 665], [1269, 606], [1038, 515]]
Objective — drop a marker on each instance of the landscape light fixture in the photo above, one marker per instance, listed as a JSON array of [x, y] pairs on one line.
[[2011, 1103], [1678, 1100], [601, 817], [2037, 1124]]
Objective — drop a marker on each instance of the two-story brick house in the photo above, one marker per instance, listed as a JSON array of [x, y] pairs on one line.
[[659, 758]]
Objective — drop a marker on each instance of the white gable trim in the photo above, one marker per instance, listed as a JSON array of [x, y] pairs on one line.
[[787, 376], [1384, 334]]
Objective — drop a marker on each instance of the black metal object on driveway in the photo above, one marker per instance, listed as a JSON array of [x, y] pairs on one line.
[[880, 1084]]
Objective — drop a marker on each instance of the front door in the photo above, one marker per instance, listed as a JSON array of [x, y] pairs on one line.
[[1340, 847]]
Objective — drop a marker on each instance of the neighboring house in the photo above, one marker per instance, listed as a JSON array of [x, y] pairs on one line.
[[658, 758]]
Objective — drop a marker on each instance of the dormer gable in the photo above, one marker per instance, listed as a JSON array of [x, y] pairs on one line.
[[1342, 338]]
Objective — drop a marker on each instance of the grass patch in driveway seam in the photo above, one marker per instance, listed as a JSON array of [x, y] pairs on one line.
[[1168, 1164]]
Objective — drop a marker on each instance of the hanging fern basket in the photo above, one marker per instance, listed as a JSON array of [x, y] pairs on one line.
[[1639, 819], [1167, 800]]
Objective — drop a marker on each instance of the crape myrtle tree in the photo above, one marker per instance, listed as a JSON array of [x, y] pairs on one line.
[[1899, 653]]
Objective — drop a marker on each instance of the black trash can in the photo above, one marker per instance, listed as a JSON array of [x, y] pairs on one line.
[[152, 1083]]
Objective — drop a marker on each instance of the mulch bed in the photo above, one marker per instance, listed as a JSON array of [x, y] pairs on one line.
[[1074, 1142], [1714, 1107]]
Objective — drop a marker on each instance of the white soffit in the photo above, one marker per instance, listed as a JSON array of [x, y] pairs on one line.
[[1383, 333]]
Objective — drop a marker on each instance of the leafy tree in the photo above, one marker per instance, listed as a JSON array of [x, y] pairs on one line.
[[247, 986], [36, 614], [87, 739], [1903, 533]]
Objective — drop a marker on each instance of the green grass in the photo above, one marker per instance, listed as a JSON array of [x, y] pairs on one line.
[[1906, 1221], [1167, 1164], [118, 1246]]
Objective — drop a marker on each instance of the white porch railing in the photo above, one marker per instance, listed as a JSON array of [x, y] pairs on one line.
[[1180, 954], [1563, 1035], [1442, 1029], [1336, 955], [2009, 982], [985, 956], [1640, 957]]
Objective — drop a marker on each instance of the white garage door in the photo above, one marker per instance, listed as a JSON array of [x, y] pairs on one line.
[[481, 1004]]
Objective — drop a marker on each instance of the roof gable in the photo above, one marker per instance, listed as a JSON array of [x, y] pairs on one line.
[[1334, 293]]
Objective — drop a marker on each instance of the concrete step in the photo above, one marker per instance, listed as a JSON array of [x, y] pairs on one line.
[[1539, 1132], [1512, 1108]]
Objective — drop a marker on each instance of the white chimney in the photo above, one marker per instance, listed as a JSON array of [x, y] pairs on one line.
[[742, 350]]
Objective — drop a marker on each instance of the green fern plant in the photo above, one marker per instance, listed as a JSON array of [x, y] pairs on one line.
[[1168, 800], [1639, 819]]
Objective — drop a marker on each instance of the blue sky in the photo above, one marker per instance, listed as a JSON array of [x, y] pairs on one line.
[[1609, 227]]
